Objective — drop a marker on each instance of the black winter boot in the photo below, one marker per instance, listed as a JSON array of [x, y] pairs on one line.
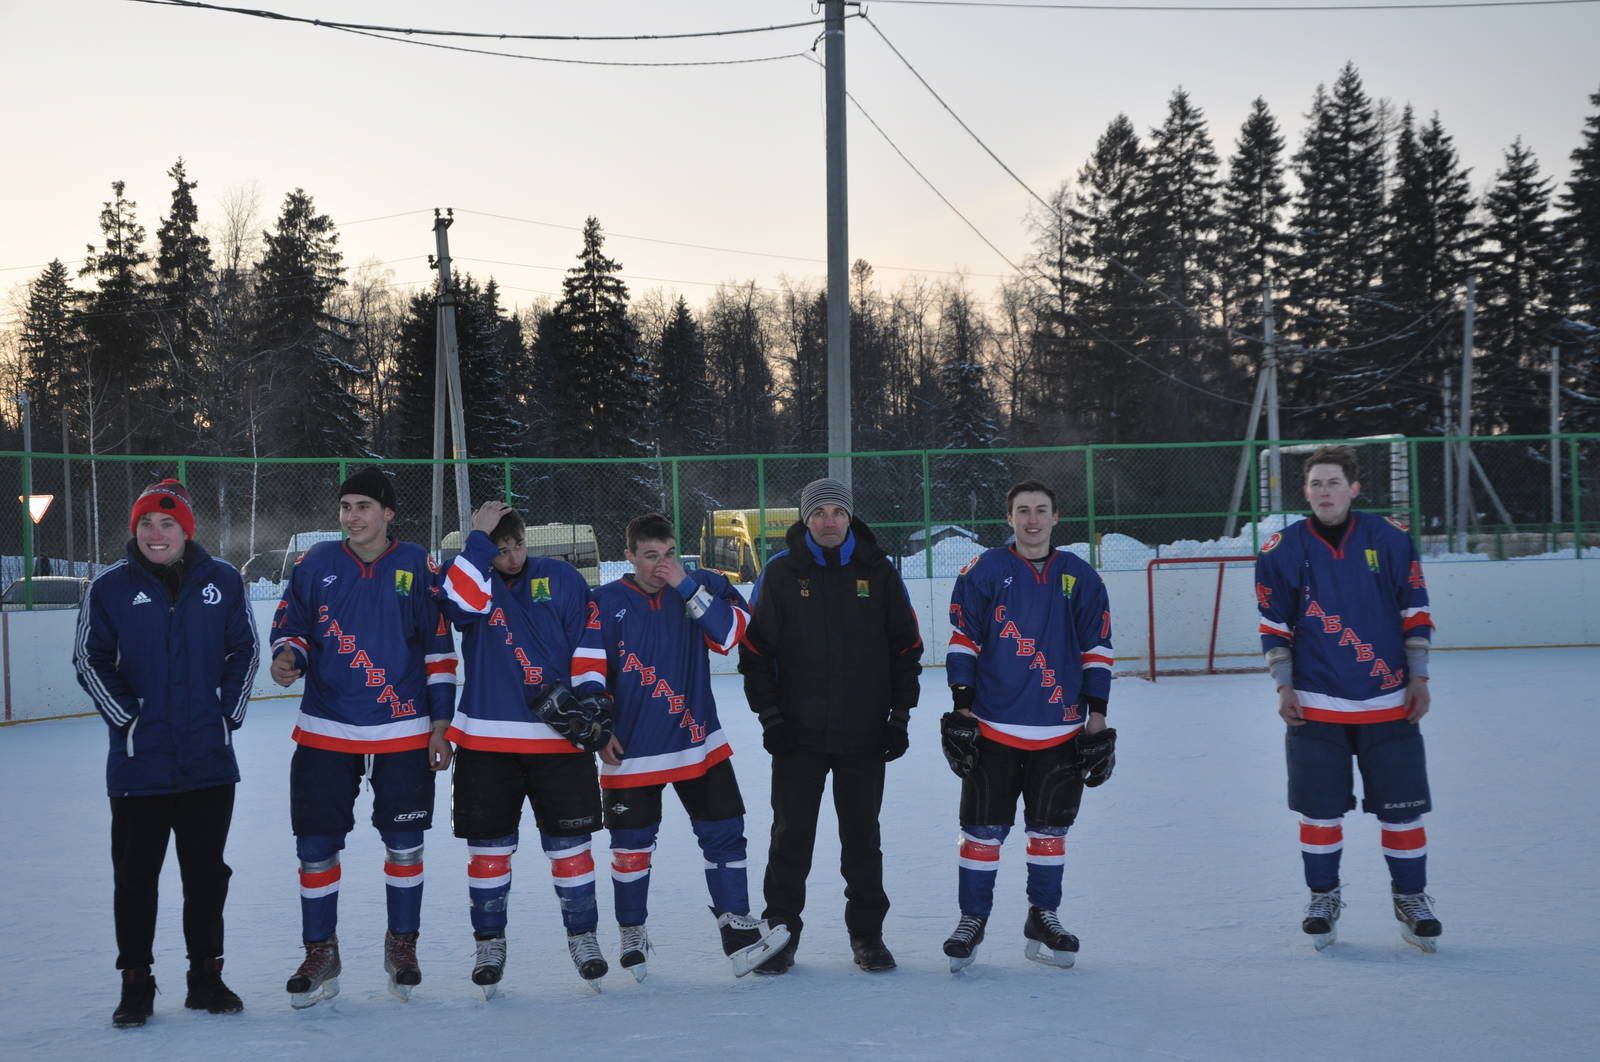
[[138, 998], [871, 954], [207, 992]]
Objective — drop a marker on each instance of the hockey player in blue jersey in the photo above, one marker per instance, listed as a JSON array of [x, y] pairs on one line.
[[655, 628], [520, 619], [1029, 666], [360, 621], [1346, 631]]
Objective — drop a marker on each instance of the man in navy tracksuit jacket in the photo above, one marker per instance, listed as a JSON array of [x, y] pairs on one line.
[[167, 651], [648, 645]]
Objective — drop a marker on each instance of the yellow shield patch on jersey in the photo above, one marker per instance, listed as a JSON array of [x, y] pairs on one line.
[[1372, 559], [1068, 584], [863, 588], [402, 583], [540, 588]]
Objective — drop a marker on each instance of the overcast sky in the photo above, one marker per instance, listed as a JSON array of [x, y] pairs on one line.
[[729, 156]]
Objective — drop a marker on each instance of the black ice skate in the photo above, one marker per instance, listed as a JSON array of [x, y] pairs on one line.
[[585, 952], [749, 942], [1414, 912], [400, 963], [962, 947], [871, 954], [1322, 917], [138, 998], [1047, 941], [636, 950], [208, 993], [318, 976], [489, 966]]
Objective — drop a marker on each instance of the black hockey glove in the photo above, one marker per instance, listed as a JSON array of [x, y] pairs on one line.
[[1097, 755], [963, 697], [958, 735], [896, 734], [585, 721]]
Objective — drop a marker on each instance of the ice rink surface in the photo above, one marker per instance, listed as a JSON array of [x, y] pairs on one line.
[[1183, 881]]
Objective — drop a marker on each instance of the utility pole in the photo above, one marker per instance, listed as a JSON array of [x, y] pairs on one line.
[[1242, 473], [1274, 455], [26, 405], [447, 387], [838, 248], [1555, 433], [1447, 429], [1464, 427]]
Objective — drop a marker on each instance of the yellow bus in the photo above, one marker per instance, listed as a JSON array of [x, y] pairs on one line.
[[728, 545], [573, 543]]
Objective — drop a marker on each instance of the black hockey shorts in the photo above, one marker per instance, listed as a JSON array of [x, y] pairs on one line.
[[1393, 763], [323, 786], [1049, 781], [563, 787], [712, 797]]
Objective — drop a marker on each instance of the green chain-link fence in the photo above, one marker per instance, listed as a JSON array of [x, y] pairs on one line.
[[1120, 506]]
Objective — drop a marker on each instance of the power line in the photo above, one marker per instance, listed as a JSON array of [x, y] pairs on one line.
[[409, 30], [561, 59], [625, 276], [1239, 8]]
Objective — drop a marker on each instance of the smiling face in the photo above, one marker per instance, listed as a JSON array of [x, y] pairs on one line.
[[160, 538], [365, 521], [1032, 517], [1329, 493], [828, 524]]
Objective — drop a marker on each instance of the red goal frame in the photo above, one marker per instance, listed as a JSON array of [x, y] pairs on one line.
[[1216, 605]]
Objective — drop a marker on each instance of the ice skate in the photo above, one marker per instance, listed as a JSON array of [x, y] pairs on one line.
[[1047, 941], [585, 952], [138, 998], [749, 942], [962, 946], [782, 960], [636, 950], [1413, 911], [318, 976], [400, 963], [208, 993], [1322, 917], [489, 966]]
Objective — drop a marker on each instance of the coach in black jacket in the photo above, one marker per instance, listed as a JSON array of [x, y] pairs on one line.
[[830, 666]]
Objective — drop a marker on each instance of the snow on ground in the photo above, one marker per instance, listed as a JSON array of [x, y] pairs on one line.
[[1183, 882]]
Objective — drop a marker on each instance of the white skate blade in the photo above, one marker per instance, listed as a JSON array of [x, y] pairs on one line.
[[594, 986], [639, 970], [1062, 960], [1322, 940], [400, 991], [957, 964], [327, 990], [490, 991], [746, 959], [1427, 944]]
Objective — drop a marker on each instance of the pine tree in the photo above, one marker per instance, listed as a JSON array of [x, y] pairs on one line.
[[1255, 246], [50, 347], [185, 285], [1520, 297], [1338, 228], [686, 417], [967, 484], [1579, 227], [491, 370], [116, 324], [738, 358], [804, 358], [1043, 375], [299, 273], [411, 386]]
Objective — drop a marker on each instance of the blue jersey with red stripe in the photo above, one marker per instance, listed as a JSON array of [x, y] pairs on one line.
[[517, 637], [1344, 612], [1034, 644], [379, 662], [652, 652]]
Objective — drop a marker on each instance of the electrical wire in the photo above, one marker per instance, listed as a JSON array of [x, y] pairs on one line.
[[1202, 9], [561, 59]]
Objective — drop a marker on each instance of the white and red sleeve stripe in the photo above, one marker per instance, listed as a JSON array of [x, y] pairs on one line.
[[1100, 656], [589, 665], [467, 587], [960, 643]]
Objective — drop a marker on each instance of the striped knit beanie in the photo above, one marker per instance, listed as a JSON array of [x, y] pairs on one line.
[[820, 492]]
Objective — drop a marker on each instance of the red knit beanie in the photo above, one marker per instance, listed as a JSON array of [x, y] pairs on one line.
[[170, 497]]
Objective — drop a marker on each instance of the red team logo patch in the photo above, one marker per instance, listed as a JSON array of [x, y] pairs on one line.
[[1272, 543]]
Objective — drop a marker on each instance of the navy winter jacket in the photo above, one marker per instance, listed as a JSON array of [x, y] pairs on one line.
[[170, 677]]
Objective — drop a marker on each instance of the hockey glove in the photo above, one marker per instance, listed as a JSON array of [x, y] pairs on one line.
[[1097, 755], [896, 735], [958, 736], [585, 721]]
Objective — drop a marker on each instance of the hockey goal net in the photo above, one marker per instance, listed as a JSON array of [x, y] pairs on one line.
[[1202, 616]]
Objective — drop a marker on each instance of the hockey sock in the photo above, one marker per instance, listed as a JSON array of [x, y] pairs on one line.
[[572, 873], [723, 846], [402, 876], [630, 872], [319, 886], [489, 882], [980, 864], [1047, 859], [1405, 847], [1321, 845]]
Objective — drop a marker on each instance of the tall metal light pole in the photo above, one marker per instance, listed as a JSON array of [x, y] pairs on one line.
[[838, 249], [447, 385]]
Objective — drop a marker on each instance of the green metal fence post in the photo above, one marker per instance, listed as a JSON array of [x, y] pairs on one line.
[[1088, 494], [1413, 491], [677, 509], [183, 471], [508, 483], [1577, 497], [761, 504], [1253, 477], [927, 516], [27, 542]]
